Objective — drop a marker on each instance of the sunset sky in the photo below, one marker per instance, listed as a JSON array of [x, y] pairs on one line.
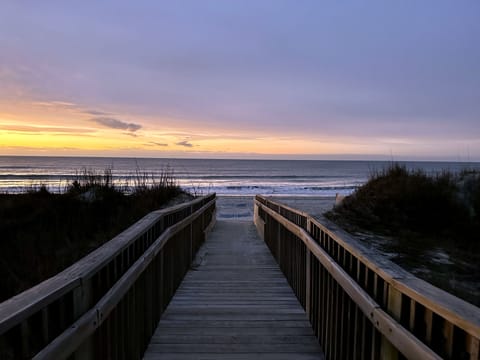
[[241, 79]]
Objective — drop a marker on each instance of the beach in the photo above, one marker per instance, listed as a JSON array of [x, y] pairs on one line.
[[241, 207]]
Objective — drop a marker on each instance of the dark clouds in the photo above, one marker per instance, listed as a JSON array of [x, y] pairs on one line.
[[116, 124]]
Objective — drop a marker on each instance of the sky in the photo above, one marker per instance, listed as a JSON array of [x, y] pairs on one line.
[[241, 79]]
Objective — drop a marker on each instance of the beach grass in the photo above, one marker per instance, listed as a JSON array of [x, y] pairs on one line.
[[429, 222], [44, 232], [396, 201]]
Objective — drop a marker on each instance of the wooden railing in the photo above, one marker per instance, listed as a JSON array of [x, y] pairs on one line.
[[362, 307], [107, 305]]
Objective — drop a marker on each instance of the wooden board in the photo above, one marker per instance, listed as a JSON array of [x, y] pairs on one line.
[[234, 304]]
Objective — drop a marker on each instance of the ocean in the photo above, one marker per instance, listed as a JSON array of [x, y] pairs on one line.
[[202, 176]]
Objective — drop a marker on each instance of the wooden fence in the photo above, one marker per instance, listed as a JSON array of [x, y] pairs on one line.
[[107, 305], [362, 307]]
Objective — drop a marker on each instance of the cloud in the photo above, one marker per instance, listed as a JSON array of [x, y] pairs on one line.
[[131, 134], [64, 105], [116, 124], [95, 112], [184, 143], [154, 143], [43, 129], [61, 104]]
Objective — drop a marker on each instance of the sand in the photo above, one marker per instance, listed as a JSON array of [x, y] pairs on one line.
[[241, 207]]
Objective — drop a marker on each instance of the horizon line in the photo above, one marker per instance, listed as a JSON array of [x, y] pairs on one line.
[[392, 160]]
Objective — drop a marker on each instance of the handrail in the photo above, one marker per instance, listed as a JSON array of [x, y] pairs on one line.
[[72, 294], [385, 323], [71, 338], [456, 310], [19, 307], [390, 299]]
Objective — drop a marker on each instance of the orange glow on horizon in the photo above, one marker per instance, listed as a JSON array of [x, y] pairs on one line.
[[22, 139], [51, 133], [61, 128]]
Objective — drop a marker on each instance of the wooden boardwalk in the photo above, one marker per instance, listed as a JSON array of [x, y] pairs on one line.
[[234, 304]]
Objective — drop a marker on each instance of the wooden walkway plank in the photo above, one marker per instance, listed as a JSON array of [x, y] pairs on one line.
[[234, 304]]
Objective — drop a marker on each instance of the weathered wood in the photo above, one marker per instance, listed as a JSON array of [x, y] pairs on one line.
[[229, 348], [236, 303], [91, 307], [308, 280], [473, 346], [71, 339], [267, 329], [21, 306], [241, 303], [394, 306], [445, 323], [403, 340], [460, 313], [232, 356], [18, 308]]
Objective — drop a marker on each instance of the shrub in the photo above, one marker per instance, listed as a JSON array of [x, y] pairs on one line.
[[397, 201]]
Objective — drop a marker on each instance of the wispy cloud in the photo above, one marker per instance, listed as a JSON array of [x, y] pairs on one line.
[[100, 117], [69, 106], [131, 134], [154, 143], [184, 143], [116, 124], [58, 104], [43, 129], [95, 112], [65, 105], [36, 149]]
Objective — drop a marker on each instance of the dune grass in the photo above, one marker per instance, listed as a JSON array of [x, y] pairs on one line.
[[396, 201], [427, 223], [43, 232]]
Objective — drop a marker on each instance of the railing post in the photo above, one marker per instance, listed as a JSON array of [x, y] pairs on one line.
[[81, 303], [259, 223], [25, 337], [279, 248], [394, 306], [308, 273], [473, 346], [160, 284], [190, 242]]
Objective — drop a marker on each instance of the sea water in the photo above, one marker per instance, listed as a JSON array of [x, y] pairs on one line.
[[202, 176]]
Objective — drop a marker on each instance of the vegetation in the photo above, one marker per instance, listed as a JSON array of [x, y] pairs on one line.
[[428, 224], [403, 203], [43, 232]]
